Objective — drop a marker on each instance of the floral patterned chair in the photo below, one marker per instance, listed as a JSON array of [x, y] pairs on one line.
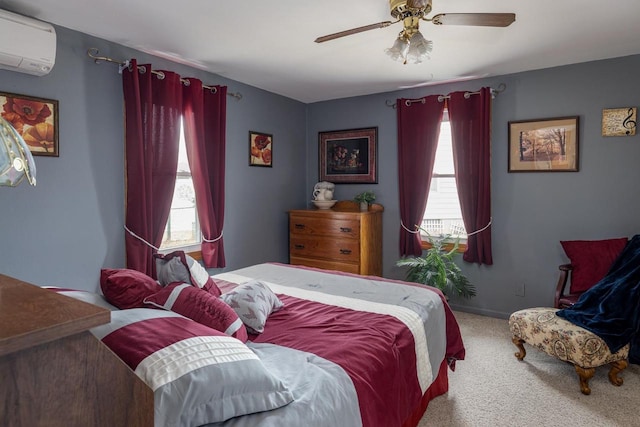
[[541, 328]]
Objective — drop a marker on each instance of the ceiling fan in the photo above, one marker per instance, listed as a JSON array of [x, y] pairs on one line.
[[411, 46]]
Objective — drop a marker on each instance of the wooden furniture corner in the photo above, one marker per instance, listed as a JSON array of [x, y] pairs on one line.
[[54, 372]]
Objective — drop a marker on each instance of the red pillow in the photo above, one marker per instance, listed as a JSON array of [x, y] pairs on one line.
[[126, 288], [201, 306], [591, 260]]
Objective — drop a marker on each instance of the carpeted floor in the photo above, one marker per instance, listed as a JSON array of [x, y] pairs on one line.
[[491, 388]]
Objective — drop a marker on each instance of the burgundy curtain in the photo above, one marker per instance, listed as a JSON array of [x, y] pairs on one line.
[[471, 137], [418, 132], [152, 133], [204, 118]]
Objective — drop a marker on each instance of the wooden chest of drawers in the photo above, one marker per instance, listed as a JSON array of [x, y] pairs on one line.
[[342, 238]]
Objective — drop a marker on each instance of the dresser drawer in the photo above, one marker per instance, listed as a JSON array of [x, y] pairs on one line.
[[347, 228], [347, 250]]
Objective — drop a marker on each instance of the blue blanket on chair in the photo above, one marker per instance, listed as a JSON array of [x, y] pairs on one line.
[[611, 308]]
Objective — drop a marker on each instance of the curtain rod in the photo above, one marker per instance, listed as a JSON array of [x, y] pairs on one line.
[[93, 53], [467, 95]]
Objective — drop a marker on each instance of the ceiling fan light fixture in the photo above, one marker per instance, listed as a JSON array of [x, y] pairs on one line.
[[398, 52], [419, 48], [410, 48]]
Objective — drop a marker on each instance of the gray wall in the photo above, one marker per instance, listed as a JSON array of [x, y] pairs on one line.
[[70, 225], [532, 212], [62, 231]]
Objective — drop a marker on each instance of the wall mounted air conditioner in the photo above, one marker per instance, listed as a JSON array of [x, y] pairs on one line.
[[26, 44]]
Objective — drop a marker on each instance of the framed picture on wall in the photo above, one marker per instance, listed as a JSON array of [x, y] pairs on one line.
[[619, 121], [260, 149], [349, 156], [544, 145], [35, 119]]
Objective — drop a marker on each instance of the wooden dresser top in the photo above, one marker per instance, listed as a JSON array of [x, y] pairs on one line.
[[30, 315], [342, 206]]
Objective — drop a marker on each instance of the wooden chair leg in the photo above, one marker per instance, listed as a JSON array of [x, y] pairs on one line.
[[585, 375], [519, 343], [617, 367]]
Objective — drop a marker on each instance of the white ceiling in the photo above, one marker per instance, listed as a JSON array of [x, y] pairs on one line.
[[270, 44]]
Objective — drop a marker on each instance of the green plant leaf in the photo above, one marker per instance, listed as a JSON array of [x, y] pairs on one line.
[[437, 267]]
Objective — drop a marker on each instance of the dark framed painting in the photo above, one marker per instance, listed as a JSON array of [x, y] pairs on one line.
[[349, 156], [544, 145], [260, 149], [35, 119]]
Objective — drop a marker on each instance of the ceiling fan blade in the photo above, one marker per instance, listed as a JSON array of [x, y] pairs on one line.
[[354, 31], [479, 19]]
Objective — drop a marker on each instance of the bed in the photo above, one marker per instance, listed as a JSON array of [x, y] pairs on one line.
[[301, 346]]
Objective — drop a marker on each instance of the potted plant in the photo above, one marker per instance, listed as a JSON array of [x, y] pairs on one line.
[[437, 268], [365, 198]]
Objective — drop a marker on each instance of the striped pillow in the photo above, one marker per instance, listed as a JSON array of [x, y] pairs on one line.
[[200, 306], [198, 375]]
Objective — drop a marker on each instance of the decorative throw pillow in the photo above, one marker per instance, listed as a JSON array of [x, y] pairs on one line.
[[591, 260], [126, 288], [198, 375], [254, 302], [200, 306], [180, 267]]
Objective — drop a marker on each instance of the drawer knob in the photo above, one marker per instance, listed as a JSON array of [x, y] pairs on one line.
[[345, 251], [298, 246], [345, 229], [299, 226]]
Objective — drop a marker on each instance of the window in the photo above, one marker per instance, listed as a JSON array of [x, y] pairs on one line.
[[183, 229], [443, 215]]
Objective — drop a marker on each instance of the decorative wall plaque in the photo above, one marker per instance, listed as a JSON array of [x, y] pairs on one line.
[[619, 121]]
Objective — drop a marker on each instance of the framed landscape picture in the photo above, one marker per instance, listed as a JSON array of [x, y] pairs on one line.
[[35, 119], [349, 156], [544, 145]]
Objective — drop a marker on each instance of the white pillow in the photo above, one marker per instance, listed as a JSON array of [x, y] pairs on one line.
[[177, 266], [253, 301]]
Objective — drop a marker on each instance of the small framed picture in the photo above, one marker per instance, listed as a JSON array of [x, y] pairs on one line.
[[619, 121], [35, 119], [260, 149], [544, 145], [349, 156]]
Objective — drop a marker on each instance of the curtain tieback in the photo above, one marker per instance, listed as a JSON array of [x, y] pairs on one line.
[[157, 249], [140, 238], [482, 229], [204, 239], [410, 231], [468, 234]]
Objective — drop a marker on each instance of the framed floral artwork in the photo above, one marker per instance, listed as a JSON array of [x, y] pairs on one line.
[[349, 156], [260, 149], [35, 119]]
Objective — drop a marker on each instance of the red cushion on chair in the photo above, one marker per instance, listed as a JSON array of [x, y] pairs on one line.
[[591, 260]]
